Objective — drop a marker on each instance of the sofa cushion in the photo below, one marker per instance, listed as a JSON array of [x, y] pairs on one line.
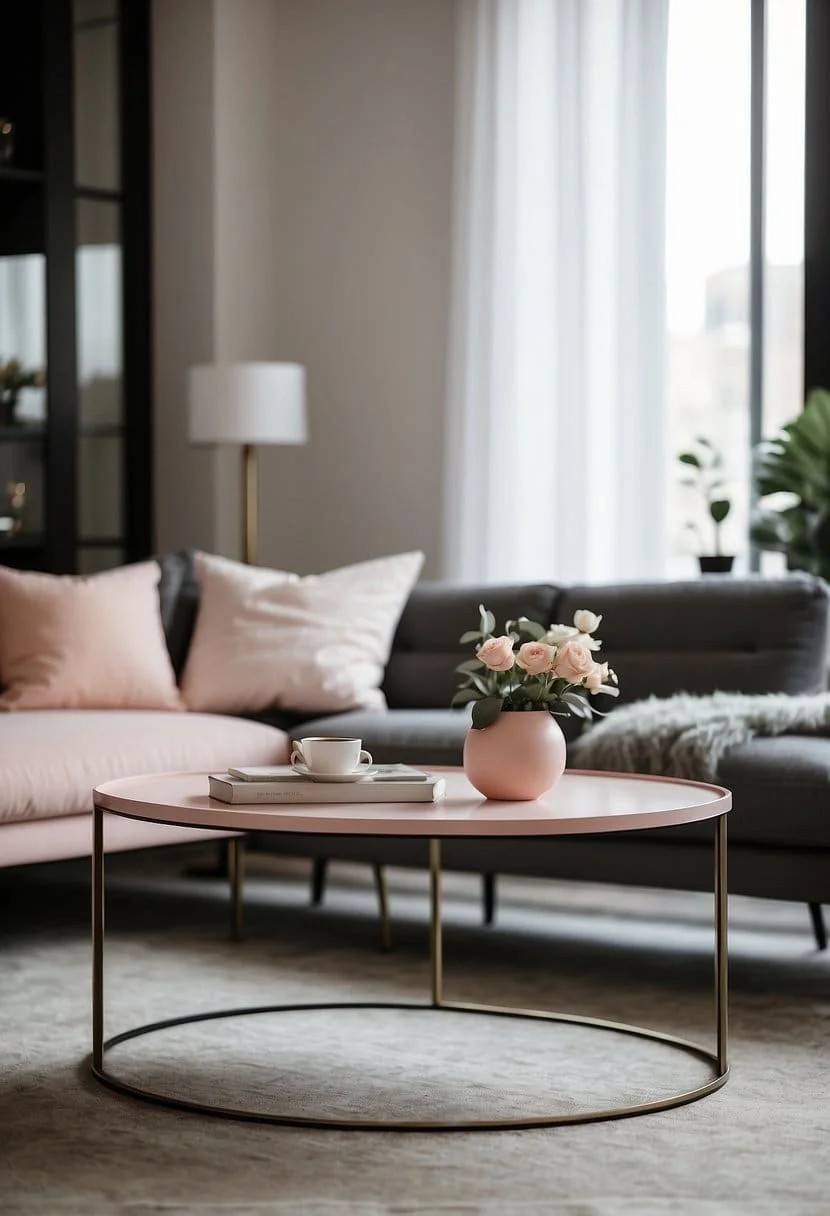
[[421, 673], [51, 760], [408, 736], [780, 795], [780, 791], [97, 642], [268, 638]]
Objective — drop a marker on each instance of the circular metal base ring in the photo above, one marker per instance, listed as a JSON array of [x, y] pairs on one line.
[[719, 1076]]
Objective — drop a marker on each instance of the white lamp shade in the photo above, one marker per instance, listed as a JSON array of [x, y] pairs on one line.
[[247, 403]]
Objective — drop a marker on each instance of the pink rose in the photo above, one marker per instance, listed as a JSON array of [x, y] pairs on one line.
[[573, 662], [497, 653], [535, 657]]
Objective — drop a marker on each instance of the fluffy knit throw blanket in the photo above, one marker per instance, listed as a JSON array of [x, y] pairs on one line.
[[687, 736]]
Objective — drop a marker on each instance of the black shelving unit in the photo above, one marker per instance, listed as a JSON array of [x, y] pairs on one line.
[[8, 173], [75, 223]]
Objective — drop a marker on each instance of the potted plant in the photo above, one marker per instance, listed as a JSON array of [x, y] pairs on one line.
[[703, 469], [517, 680], [796, 464], [13, 378]]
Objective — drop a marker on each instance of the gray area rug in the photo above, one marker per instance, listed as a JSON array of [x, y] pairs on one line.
[[758, 1147]]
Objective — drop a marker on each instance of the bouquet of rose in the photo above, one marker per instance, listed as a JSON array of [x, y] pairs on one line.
[[533, 667]]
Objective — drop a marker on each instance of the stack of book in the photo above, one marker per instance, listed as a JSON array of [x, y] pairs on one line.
[[281, 783]]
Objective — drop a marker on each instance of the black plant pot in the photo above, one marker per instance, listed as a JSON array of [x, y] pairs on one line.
[[715, 564]]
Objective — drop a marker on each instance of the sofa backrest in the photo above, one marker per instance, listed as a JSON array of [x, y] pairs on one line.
[[750, 634], [179, 602], [420, 673], [724, 633]]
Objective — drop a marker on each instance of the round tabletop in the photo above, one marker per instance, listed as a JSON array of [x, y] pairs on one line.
[[580, 802]]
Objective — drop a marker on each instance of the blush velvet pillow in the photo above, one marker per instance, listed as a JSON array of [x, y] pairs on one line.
[[266, 638], [68, 642]]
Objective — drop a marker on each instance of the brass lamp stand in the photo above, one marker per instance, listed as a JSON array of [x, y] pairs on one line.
[[250, 504]]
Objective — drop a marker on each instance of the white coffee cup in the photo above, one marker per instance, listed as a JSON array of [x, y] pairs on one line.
[[330, 757]]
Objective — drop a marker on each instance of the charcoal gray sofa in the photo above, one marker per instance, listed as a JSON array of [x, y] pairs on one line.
[[750, 634]]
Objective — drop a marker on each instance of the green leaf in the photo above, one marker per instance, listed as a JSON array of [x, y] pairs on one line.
[[719, 509], [472, 635], [488, 621], [469, 665], [531, 629], [796, 463], [481, 682], [577, 704], [704, 442], [486, 711], [464, 696], [689, 458], [534, 690]]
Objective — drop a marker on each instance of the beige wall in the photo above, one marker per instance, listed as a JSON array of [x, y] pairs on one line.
[[325, 239], [183, 257]]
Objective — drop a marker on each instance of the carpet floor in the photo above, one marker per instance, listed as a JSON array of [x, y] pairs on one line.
[[758, 1147]]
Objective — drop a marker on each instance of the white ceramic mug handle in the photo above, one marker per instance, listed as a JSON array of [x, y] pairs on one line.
[[364, 760], [297, 756]]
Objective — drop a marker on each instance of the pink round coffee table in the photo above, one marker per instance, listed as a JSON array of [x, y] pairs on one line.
[[582, 802]]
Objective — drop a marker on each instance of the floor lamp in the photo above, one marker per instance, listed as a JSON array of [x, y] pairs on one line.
[[247, 404]]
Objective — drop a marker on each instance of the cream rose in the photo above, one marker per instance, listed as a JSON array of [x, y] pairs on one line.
[[557, 634], [596, 677], [535, 657], [573, 662], [497, 653], [587, 622]]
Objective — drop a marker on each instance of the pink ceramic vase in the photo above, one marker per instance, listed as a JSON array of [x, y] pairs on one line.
[[517, 758]]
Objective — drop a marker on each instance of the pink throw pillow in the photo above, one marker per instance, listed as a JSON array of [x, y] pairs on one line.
[[266, 637], [68, 642]]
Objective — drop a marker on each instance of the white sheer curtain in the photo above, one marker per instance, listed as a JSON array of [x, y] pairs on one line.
[[556, 462]]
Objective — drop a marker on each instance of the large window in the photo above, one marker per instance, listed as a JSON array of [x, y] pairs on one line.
[[708, 192]]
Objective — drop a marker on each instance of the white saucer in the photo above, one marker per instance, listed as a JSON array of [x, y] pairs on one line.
[[301, 771]]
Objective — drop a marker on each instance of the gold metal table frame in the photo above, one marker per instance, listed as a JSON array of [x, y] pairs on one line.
[[717, 1059]]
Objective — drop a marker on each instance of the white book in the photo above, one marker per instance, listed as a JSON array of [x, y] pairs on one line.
[[301, 789], [284, 772]]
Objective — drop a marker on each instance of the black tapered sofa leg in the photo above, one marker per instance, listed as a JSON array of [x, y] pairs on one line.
[[318, 879], [819, 928], [489, 896]]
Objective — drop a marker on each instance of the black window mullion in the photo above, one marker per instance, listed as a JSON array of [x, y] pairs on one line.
[[817, 198], [135, 55]]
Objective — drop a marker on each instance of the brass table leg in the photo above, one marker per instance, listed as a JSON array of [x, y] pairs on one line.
[[721, 946], [97, 939], [236, 874], [435, 932], [383, 906]]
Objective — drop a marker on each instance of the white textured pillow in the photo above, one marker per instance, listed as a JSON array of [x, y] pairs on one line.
[[265, 637]]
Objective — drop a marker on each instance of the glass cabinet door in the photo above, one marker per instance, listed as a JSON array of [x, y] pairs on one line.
[[23, 402], [75, 377], [22, 398]]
